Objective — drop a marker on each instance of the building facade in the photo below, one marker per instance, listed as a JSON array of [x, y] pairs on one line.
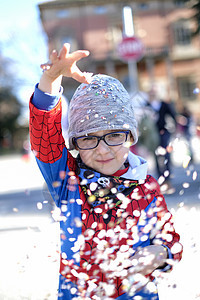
[[171, 58]]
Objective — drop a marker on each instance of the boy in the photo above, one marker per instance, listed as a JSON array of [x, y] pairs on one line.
[[115, 226]]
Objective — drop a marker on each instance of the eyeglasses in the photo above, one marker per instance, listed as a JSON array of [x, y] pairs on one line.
[[92, 141]]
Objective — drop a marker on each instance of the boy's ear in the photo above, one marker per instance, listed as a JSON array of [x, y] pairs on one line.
[[76, 148], [73, 141], [131, 138]]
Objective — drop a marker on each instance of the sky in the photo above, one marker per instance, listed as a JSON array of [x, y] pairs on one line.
[[23, 40]]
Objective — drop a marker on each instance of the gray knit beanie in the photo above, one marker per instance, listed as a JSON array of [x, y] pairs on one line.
[[104, 104]]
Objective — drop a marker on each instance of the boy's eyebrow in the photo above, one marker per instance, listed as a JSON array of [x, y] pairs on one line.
[[110, 131]]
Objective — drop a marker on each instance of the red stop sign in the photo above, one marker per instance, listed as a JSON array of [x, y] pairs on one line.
[[130, 48]]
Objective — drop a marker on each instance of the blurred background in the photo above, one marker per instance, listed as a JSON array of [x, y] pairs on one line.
[[147, 45]]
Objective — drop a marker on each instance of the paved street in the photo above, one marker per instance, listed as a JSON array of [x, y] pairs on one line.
[[186, 184], [30, 236]]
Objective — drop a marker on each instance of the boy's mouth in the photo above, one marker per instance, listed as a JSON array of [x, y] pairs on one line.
[[104, 161]]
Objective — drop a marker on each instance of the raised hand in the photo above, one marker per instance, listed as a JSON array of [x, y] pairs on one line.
[[63, 64]]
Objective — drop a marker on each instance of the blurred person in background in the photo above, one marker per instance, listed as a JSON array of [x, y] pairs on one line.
[[147, 129], [185, 127], [165, 120]]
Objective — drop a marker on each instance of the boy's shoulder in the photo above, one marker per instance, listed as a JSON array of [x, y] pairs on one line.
[[149, 185]]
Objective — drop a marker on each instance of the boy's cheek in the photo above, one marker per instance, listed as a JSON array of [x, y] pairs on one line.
[[131, 138], [85, 155]]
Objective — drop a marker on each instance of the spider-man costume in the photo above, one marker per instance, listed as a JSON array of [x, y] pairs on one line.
[[102, 217]]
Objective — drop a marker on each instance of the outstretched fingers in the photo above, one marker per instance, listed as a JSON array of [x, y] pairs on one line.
[[52, 59], [64, 51], [77, 74], [64, 63], [83, 77], [54, 56], [77, 55]]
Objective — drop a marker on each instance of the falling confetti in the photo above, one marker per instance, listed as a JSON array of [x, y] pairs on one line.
[[186, 161], [194, 175], [39, 205], [186, 185], [196, 91], [15, 209]]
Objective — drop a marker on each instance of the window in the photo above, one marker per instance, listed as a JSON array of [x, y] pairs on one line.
[[71, 40], [182, 33], [143, 6], [186, 87], [100, 10], [180, 3], [63, 14]]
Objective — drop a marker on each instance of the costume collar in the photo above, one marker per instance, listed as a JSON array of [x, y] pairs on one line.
[[100, 188], [137, 167]]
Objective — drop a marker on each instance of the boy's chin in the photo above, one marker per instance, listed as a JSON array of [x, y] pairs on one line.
[[107, 171]]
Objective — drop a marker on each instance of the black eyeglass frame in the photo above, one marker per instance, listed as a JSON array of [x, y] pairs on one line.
[[99, 138]]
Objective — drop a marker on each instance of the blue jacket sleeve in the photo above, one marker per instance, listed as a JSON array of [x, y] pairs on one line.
[[45, 101]]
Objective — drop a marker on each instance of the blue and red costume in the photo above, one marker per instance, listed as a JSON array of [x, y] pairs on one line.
[[88, 223]]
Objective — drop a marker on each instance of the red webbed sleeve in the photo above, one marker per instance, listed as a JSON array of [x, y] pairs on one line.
[[46, 138], [170, 237]]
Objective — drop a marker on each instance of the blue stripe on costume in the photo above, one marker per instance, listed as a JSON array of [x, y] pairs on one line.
[[65, 199], [65, 294], [142, 295]]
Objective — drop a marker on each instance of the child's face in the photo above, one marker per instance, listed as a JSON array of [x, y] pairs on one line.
[[106, 159]]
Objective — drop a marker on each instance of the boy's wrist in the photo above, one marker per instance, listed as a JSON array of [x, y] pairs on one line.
[[49, 84], [45, 101]]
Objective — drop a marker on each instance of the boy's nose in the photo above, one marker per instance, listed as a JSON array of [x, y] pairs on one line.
[[103, 147]]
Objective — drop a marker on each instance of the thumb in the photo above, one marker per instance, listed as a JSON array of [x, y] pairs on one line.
[[77, 55], [83, 77]]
